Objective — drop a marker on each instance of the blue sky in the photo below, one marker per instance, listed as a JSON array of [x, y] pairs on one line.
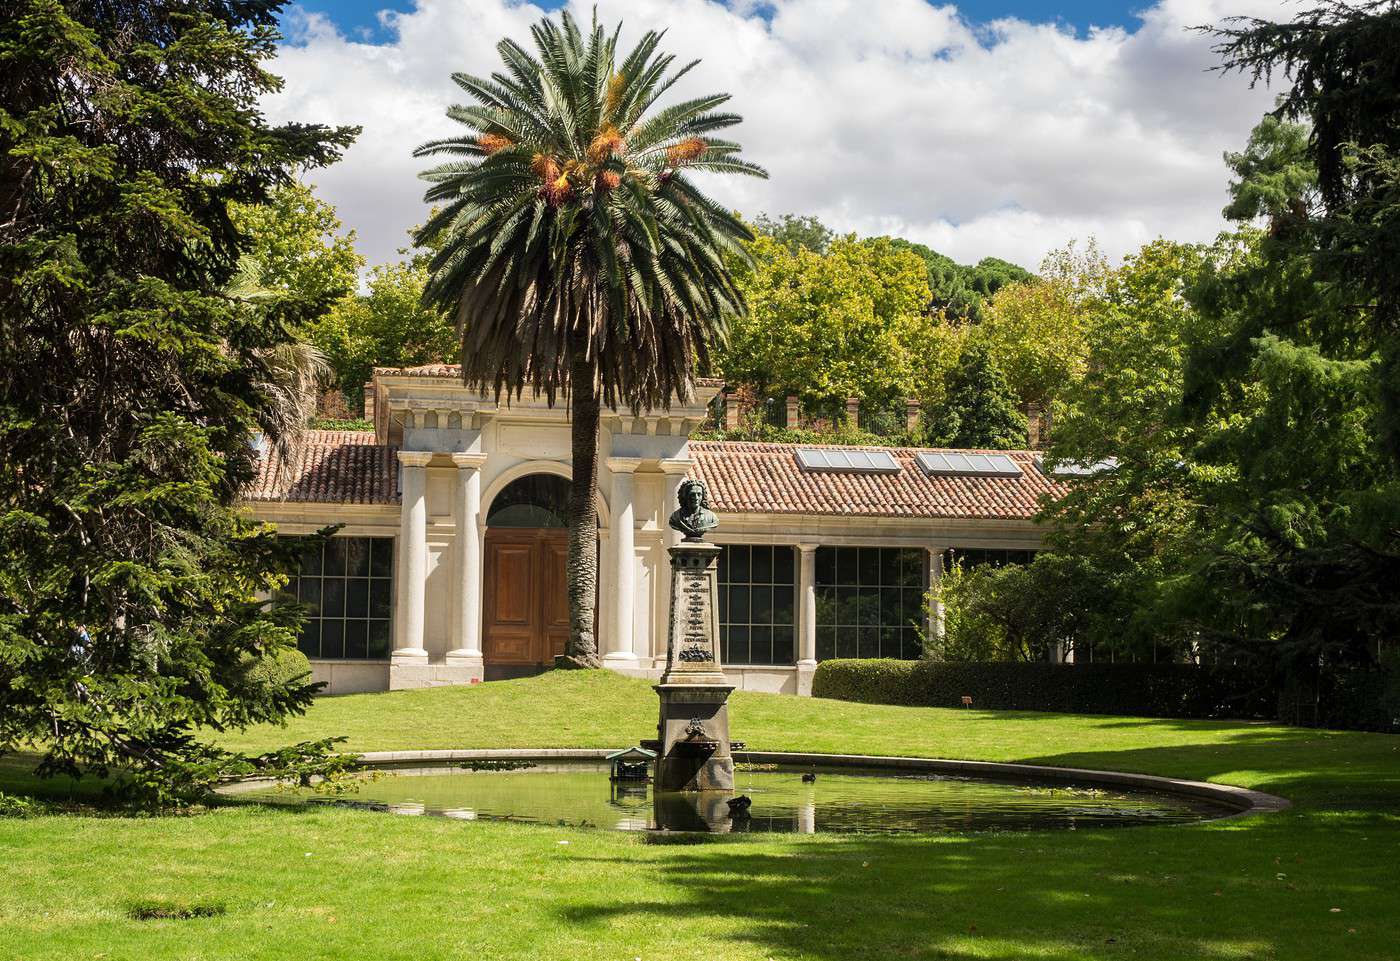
[[878, 116], [359, 18]]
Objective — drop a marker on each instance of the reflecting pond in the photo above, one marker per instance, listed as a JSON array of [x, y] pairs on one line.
[[831, 800]]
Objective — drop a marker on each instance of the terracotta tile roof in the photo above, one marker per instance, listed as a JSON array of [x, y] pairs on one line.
[[455, 370], [748, 478], [348, 467], [332, 467]]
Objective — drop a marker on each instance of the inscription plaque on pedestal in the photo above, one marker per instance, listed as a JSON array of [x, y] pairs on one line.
[[692, 643]]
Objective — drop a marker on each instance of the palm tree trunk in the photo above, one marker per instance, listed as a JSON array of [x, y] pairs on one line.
[[582, 648]]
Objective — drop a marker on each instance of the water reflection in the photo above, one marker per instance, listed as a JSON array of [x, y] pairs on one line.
[[842, 801]]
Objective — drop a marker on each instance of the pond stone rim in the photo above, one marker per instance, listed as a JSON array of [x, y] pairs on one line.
[[1239, 800]]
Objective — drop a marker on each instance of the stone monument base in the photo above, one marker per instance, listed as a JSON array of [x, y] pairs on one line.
[[705, 812], [694, 738]]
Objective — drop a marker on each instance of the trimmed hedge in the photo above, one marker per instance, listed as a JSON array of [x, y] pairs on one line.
[[1145, 690], [1351, 698], [280, 669]]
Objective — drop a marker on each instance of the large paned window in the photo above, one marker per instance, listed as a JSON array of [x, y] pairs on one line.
[[870, 601], [347, 586], [756, 598]]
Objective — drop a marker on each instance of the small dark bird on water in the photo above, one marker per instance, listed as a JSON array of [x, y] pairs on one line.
[[739, 806], [809, 778]]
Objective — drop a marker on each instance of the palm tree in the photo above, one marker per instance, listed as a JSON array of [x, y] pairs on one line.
[[289, 375], [574, 250]]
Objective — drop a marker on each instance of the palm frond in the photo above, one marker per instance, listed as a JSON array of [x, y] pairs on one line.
[[565, 227]]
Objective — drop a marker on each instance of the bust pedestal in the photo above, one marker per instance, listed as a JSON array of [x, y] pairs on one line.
[[693, 730]]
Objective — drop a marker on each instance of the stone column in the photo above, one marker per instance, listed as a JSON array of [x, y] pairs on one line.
[[934, 627], [413, 558], [620, 652], [806, 617], [465, 655]]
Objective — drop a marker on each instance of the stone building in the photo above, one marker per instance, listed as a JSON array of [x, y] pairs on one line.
[[449, 566]]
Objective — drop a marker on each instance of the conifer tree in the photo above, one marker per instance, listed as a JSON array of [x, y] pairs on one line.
[[133, 381], [979, 409]]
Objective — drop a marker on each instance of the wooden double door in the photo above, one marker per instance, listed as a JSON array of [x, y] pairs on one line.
[[526, 600]]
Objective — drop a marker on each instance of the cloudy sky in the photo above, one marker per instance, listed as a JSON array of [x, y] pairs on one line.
[[999, 128]]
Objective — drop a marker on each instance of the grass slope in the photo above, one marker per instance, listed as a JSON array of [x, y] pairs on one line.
[[346, 884]]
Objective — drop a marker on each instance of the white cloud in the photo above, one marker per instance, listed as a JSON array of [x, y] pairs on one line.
[[1003, 139]]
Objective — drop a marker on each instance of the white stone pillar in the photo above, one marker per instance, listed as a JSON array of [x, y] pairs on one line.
[[935, 626], [413, 556], [465, 655], [620, 652], [806, 617]]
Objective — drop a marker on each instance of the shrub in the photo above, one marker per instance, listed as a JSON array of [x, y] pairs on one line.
[[1353, 698], [279, 669], [1147, 690], [18, 806], [341, 423]]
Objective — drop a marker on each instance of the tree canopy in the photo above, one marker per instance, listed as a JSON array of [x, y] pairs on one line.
[[978, 408], [826, 326], [134, 384], [299, 248], [961, 292], [387, 326]]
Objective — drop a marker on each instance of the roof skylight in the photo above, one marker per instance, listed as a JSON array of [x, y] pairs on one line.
[[847, 461], [1069, 468], [949, 463]]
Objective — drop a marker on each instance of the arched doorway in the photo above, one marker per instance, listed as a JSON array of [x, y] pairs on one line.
[[526, 602]]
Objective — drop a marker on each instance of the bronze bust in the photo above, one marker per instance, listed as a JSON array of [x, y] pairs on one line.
[[693, 518]]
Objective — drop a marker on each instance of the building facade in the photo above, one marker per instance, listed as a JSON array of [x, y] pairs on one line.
[[449, 564]]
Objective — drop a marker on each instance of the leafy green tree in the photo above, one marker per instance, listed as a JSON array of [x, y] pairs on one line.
[[133, 386], [1138, 523], [576, 249], [1345, 80], [1274, 176], [979, 409], [960, 292], [829, 326], [796, 233], [1052, 608], [1038, 330], [388, 326], [1298, 403], [299, 247]]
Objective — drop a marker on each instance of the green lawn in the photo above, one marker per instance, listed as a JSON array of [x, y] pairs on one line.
[[347, 884]]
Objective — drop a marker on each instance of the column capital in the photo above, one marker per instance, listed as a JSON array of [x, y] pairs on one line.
[[415, 458], [808, 548], [624, 465], [469, 460], [676, 465]]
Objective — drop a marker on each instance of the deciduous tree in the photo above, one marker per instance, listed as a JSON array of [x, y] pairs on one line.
[[845, 323]]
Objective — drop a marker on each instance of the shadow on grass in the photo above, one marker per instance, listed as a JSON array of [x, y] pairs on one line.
[[1302, 884], [1159, 892]]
